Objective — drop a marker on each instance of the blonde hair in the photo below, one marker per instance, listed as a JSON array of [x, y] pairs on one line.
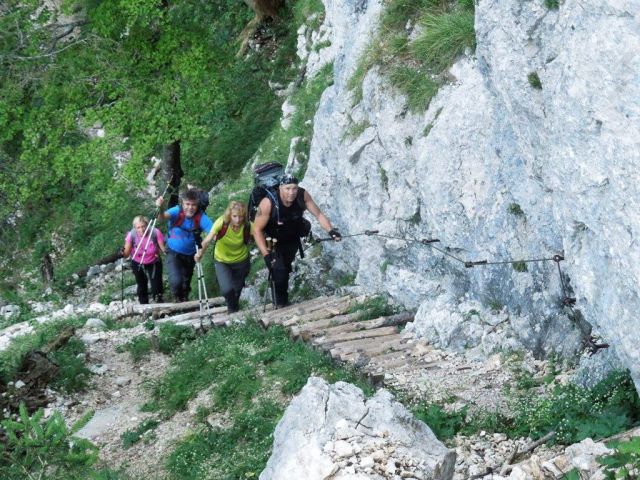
[[140, 219], [237, 206]]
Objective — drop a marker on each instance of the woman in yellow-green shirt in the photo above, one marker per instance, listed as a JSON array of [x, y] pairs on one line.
[[231, 234]]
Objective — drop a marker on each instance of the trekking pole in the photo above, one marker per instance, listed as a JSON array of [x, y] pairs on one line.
[[272, 284], [203, 301], [269, 242], [366, 232]]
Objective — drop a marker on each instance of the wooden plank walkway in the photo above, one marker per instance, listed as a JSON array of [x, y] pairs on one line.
[[376, 346]]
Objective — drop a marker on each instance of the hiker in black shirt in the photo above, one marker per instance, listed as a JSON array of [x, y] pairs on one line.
[[283, 220]]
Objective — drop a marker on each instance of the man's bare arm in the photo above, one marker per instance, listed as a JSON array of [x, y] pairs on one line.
[[260, 223]]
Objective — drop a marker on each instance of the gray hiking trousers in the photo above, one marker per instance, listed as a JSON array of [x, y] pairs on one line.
[[231, 277]]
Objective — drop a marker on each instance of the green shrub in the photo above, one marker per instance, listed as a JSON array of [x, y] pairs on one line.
[[515, 209], [73, 375], [552, 4], [444, 424], [624, 462], [534, 80], [576, 413], [519, 266], [44, 448]]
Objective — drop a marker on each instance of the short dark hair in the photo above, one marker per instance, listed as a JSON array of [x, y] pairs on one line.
[[192, 195]]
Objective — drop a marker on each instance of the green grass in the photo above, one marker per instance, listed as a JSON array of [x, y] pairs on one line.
[[247, 370], [139, 347], [144, 430], [416, 83], [374, 307], [576, 413], [171, 337], [416, 66], [445, 36]]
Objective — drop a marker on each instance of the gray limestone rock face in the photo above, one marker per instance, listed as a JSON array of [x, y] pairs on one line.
[[496, 170], [334, 431]]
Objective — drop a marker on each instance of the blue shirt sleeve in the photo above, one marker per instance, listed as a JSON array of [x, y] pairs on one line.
[[205, 223], [174, 212]]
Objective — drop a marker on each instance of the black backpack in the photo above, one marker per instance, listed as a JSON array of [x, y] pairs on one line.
[[266, 178]]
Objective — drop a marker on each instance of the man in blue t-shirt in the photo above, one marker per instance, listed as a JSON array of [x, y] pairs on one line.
[[186, 222]]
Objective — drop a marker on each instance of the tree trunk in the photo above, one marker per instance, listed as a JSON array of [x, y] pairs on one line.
[[46, 270], [172, 169]]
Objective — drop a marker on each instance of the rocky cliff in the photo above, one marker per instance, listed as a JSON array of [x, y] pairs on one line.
[[498, 167]]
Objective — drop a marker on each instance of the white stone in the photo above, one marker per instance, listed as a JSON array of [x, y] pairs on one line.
[[95, 324]]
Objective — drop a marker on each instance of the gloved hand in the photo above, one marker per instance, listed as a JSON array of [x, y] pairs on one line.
[[270, 260], [333, 233]]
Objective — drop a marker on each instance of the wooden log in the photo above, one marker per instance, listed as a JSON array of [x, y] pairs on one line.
[[282, 314], [315, 328], [393, 320], [159, 309], [328, 340], [324, 312], [190, 315]]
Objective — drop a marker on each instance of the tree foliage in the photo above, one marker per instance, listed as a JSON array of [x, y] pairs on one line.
[[142, 73]]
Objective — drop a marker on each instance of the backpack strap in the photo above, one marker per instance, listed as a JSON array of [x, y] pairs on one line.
[[181, 217], [133, 235], [223, 230]]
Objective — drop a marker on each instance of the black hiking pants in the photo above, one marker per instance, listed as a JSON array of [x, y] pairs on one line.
[[143, 274], [285, 254], [231, 277], [180, 268]]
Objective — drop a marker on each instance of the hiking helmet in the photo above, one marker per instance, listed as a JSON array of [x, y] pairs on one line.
[[288, 179]]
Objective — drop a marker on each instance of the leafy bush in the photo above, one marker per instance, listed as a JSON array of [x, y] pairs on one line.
[[576, 413], [624, 462], [444, 424], [44, 448]]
